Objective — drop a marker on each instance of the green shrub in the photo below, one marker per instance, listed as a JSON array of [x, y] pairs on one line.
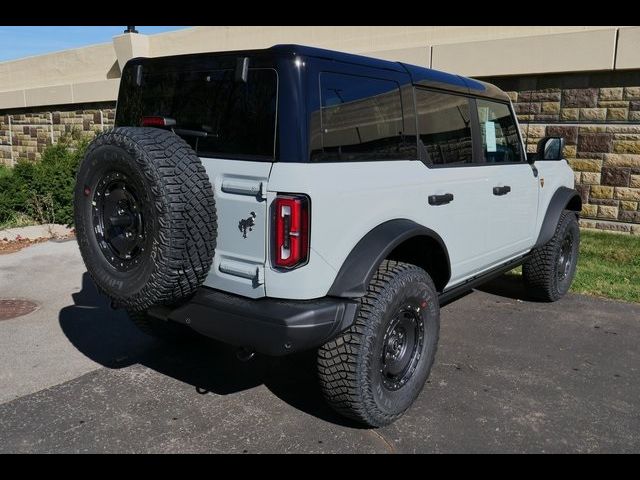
[[43, 190], [13, 196], [4, 170]]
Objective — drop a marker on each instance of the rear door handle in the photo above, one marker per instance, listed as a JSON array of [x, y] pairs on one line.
[[440, 199], [501, 190]]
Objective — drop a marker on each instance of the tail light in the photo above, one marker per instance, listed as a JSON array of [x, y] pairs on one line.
[[291, 231], [157, 122]]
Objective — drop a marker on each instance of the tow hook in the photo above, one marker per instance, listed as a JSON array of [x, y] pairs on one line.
[[245, 354]]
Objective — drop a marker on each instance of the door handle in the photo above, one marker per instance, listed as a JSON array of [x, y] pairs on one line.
[[440, 199], [501, 190]]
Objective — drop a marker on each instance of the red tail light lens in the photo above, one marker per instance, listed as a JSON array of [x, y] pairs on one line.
[[157, 122], [291, 230]]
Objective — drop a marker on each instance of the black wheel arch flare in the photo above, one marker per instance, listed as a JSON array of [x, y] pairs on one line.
[[564, 198], [361, 263]]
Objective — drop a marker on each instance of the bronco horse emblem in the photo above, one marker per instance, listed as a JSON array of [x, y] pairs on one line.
[[247, 224]]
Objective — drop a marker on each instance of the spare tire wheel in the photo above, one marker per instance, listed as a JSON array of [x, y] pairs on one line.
[[145, 217]]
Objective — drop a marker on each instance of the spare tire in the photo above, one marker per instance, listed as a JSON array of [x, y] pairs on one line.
[[145, 217]]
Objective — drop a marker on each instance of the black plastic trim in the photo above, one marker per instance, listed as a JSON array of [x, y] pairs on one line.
[[440, 199], [558, 203], [458, 290], [266, 325], [360, 265]]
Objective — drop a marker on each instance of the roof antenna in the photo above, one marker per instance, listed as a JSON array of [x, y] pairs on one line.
[[131, 29]]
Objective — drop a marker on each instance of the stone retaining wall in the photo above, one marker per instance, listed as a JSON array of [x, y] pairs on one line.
[[24, 134], [599, 116]]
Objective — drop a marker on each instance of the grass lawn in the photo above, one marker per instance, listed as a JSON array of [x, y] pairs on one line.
[[609, 266]]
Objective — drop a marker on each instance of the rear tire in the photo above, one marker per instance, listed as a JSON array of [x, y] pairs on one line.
[[549, 272], [375, 370]]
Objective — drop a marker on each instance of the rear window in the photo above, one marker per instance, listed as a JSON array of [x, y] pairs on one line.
[[217, 115]]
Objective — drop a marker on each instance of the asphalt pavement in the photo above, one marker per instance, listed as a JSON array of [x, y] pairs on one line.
[[510, 375]]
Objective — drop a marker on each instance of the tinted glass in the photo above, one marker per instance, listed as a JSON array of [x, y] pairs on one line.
[[214, 113], [500, 140], [444, 128], [361, 119]]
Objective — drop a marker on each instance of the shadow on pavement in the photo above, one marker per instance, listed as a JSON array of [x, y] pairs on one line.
[[107, 337], [507, 285]]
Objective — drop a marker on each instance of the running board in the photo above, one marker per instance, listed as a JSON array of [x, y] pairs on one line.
[[471, 283]]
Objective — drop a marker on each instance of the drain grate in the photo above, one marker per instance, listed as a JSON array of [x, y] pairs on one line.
[[15, 307]]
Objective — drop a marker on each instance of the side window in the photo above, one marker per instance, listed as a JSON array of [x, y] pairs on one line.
[[360, 119], [500, 141], [444, 128]]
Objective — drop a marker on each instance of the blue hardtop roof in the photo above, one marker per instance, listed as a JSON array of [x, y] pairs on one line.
[[419, 75], [302, 50], [422, 76]]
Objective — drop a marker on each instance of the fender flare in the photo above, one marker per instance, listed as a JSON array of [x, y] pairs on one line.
[[563, 197], [360, 265]]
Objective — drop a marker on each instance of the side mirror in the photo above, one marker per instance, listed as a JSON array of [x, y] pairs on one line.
[[550, 148]]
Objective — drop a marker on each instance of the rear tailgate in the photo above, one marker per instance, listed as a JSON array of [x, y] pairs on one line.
[[230, 122], [240, 191]]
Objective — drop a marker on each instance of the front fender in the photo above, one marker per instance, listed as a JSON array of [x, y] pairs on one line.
[[563, 199]]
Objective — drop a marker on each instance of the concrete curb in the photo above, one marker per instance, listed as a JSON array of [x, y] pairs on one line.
[[33, 232]]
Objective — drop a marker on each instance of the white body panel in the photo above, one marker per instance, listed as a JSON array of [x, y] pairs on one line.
[[479, 229], [552, 175], [240, 193], [348, 200], [511, 226]]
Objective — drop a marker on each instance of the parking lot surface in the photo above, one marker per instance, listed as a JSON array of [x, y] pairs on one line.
[[510, 376]]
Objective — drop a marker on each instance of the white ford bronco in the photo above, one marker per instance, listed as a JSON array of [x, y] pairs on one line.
[[294, 198]]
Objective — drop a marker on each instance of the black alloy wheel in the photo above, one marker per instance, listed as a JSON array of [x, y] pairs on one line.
[[402, 347], [118, 220], [565, 259]]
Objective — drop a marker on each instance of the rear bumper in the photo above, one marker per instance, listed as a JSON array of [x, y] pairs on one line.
[[269, 326]]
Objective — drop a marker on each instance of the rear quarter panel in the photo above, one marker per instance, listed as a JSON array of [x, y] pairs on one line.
[[348, 200]]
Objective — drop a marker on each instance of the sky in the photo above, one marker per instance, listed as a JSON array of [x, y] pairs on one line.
[[18, 42]]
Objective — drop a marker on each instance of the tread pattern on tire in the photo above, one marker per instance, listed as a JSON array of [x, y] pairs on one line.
[[185, 206], [340, 360], [538, 272]]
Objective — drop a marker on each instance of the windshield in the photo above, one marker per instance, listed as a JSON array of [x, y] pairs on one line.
[[216, 114]]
